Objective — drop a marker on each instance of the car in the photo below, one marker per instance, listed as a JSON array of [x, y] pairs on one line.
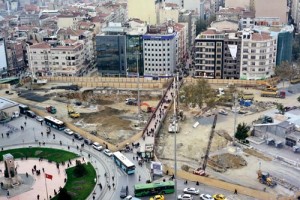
[[68, 131], [123, 192], [107, 152], [78, 136], [185, 197], [219, 197], [190, 191], [31, 114], [130, 99], [158, 197], [88, 141], [206, 197], [39, 118], [98, 147]]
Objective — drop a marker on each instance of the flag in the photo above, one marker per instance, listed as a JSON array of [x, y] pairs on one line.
[[48, 176]]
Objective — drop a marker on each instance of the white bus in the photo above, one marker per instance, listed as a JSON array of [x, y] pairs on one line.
[[55, 123], [124, 163]]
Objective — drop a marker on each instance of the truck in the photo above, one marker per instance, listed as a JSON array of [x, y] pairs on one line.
[[23, 108], [72, 113], [247, 96], [277, 94], [51, 109]]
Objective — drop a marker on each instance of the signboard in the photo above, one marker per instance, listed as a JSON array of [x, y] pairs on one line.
[[233, 51], [157, 168]]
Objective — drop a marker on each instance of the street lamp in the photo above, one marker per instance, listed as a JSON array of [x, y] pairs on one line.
[[138, 86], [176, 125]]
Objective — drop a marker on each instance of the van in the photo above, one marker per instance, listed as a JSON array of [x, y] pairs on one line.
[[31, 114]]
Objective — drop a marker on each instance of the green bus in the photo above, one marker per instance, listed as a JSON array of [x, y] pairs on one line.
[[149, 189]]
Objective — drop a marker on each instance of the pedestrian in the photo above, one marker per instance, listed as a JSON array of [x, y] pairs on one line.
[[235, 191], [197, 183], [133, 157], [108, 187], [38, 197], [25, 123], [100, 185], [41, 123], [68, 147], [94, 197], [113, 178], [139, 177], [185, 182], [7, 193], [43, 169], [113, 185], [25, 117], [26, 174], [2, 135], [42, 133]]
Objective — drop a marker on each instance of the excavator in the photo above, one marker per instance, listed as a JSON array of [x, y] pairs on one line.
[[265, 86], [265, 178], [71, 112], [201, 171]]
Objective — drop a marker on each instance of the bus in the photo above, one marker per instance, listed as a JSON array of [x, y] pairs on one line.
[[23, 108], [149, 189], [124, 163], [55, 123]]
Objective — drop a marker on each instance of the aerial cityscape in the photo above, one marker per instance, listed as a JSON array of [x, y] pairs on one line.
[[149, 99]]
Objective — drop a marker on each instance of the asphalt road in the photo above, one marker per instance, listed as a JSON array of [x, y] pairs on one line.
[[31, 136]]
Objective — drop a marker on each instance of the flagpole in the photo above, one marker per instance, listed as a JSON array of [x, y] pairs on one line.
[[46, 188]]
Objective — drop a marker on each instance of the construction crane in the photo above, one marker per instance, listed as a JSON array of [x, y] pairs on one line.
[[209, 143], [72, 112]]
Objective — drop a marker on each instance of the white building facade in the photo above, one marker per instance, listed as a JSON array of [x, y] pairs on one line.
[[258, 55], [45, 60], [160, 54]]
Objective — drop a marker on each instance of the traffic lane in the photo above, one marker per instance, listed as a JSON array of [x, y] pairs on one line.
[[204, 189]]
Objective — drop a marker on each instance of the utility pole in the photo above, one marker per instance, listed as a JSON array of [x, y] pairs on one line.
[[176, 125], [138, 77], [235, 95]]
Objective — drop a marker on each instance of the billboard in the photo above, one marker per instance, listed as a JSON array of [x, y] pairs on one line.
[[157, 168], [3, 63]]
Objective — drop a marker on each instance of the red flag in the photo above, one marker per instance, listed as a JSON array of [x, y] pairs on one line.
[[48, 176]]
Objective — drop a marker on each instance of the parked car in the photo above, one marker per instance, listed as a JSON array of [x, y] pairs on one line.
[[123, 192], [88, 141], [190, 191], [185, 197], [78, 136], [206, 197], [107, 152], [31, 114], [98, 147], [68, 131], [219, 197], [39, 118], [158, 197]]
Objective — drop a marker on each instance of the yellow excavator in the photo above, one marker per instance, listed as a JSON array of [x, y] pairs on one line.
[[265, 86], [71, 112], [265, 178]]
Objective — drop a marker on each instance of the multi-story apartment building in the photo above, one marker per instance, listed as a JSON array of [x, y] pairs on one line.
[[15, 57], [232, 55], [258, 56], [160, 52], [186, 17], [295, 12], [47, 60], [68, 20], [209, 54]]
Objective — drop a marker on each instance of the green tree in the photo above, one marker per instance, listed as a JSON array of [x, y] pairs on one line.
[[79, 170], [242, 131], [298, 99], [280, 108], [201, 24], [199, 94], [64, 195]]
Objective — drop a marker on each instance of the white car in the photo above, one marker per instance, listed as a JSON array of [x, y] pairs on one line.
[[185, 197], [107, 152], [68, 131], [97, 146], [39, 118], [206, 197], [190, 191]]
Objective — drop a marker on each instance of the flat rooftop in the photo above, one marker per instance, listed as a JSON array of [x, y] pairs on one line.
[[6, 103]]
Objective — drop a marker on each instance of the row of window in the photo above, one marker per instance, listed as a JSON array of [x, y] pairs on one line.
[[157, 64], [156, 44], [155, 69], [163, 50], [149, 59], [152, 54]]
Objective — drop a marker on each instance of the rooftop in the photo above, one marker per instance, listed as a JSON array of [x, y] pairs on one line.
[[6, 103], [261, 36], [42, 45]]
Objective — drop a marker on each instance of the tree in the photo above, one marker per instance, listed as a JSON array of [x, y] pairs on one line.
[[79, 170], [201, 24], [280, 108], [242, 131], [199, 94], [64, 195]]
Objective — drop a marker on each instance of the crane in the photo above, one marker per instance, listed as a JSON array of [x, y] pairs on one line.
[[209, 142]]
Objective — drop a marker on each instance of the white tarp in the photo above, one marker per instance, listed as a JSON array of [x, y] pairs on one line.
[[157, 168], [233, 51]]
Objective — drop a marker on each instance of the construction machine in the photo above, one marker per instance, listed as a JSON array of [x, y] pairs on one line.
[[265, 86], [71, 112], [201, 171], [51, 109], [265, 178]]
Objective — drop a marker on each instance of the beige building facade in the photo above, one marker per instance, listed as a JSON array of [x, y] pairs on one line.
[[144, 10]]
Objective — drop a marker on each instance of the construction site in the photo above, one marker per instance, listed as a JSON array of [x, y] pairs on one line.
[[112, 114]]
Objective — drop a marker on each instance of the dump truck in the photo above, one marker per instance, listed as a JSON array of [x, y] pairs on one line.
[[265, 178], [51, 109], [247, 96], [72, 113], [277, 94]]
